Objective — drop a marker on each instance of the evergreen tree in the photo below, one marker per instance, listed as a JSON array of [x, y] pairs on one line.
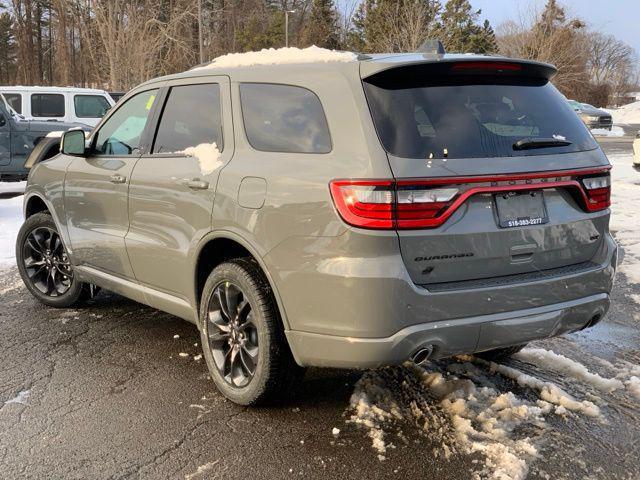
[[394, 25], [460, 31], [322, 26], [7, 66]]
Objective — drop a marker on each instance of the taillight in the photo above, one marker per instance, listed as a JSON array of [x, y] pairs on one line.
[[598, 190], [365, 204], [428, 203], [417, 206]]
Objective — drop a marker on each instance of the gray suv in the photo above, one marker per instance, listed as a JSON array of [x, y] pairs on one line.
[[345, 214]]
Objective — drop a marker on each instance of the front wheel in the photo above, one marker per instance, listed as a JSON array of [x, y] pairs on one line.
[[242, 336], [44, 264]]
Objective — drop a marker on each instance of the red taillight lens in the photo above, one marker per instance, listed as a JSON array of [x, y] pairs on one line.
[[428, 203], [495, 66], [598, 190], [417, 206], [382, 205], [365, 204]]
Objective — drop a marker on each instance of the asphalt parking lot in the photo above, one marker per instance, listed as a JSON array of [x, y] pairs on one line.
[[118, 390]]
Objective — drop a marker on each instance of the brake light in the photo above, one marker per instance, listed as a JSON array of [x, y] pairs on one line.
[[495, 66], [598, 191], [428, 203], [364, 204]]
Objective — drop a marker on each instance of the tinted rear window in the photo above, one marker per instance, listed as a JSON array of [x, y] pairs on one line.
[[422, 116], [191, 116], [284, 118], [47, 105], [90, 106]]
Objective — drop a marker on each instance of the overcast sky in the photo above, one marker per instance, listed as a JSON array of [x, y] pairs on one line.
[[617, 17]]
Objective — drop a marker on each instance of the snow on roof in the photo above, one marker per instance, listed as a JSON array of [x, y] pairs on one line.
[[280, 56]]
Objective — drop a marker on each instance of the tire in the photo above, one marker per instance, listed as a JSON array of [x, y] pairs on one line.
[[500, 353], [70, 291], [262, 371]]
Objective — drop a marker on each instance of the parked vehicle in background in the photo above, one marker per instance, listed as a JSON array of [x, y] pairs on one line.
[[18, 137], [63, 104], [591, 116], [117, 95], [352, 212], [636, 150]]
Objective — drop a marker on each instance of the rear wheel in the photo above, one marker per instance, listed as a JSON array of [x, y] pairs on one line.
[[242, 336], [500, 353], [44, 264]]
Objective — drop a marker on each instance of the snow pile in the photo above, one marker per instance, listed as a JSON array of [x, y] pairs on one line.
[[625, 198], [603, 132], [12, 187], [549, 392], [627, 114], [561, 364], [463, 406], [21, 398], [10, 222], [208, 156], [633, 384], [280, 56], [372, 408]]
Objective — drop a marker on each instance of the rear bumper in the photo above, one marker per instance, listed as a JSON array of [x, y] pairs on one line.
[[448, 338], [360, 308]]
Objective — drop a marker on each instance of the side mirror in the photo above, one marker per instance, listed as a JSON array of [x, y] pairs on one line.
[[73, 143], [3, 121]]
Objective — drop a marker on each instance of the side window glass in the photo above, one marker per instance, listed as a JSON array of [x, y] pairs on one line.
[[191, 116], [90, 106], [14, 100], [47, 105], [122, 132], [284, 118]]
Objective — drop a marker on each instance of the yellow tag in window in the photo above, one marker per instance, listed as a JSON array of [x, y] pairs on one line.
[[150, 102]]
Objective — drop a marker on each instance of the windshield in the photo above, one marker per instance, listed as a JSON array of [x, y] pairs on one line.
[[421, 116]]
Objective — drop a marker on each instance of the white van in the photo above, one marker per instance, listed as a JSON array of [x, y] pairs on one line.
[[64, 104]]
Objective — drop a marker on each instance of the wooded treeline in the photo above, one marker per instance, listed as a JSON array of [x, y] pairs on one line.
[[116, 44]]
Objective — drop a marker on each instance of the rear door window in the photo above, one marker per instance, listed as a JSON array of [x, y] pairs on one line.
[[47, 105], [284, 118], [14, 100], [191, 116], [90, 106], [423, 116]]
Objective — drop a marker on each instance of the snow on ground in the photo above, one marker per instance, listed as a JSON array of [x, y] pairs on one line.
[[603, 132], [10, 222], [12, 187], [280, 56], [627, 114], [561, 364], [21, 398], [625, 199]]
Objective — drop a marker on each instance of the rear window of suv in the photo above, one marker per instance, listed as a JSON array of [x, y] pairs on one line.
[[284, 118], [47, 105], [418, 115]]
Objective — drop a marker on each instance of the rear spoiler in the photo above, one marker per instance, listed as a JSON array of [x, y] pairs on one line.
[[458, 65]]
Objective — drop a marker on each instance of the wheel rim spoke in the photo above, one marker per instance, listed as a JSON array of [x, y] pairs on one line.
[[232, 335], [46, 263]]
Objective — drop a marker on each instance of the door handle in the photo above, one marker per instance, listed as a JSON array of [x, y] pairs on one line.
[[118, 178], [195, 184]]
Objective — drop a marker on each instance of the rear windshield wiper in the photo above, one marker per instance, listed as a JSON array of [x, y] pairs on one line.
[[531, 143]]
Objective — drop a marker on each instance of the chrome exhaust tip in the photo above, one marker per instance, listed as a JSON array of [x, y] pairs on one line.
[[422, 355]]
